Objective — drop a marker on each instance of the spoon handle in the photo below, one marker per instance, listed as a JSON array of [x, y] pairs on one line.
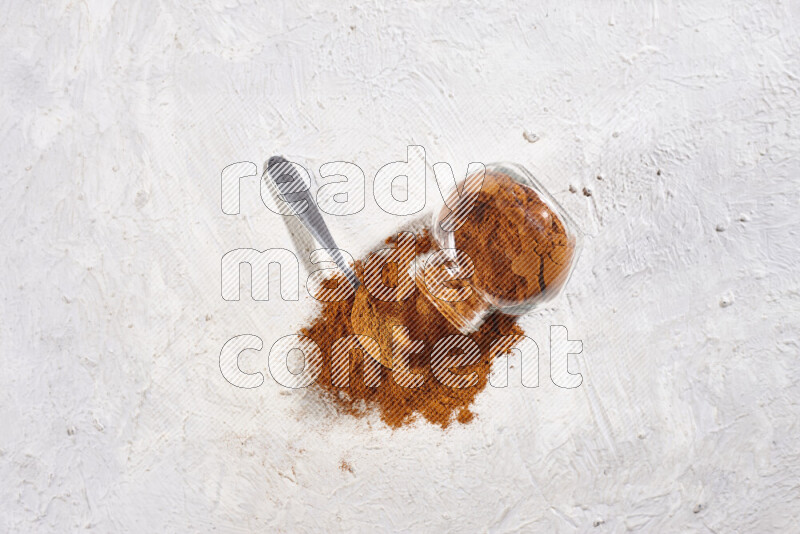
[[293, 190]]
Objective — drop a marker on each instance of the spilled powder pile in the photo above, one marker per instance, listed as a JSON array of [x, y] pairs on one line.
[[397, 405], [520, 250]]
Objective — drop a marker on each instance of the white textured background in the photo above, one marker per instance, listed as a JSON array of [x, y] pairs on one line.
[[116, 119]]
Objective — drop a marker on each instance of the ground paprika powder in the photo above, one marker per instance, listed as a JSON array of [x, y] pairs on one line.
[[519, 248]]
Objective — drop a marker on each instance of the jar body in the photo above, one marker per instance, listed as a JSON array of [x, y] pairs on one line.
[[520, 242]]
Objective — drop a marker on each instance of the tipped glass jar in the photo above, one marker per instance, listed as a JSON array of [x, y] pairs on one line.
[[504, 245]]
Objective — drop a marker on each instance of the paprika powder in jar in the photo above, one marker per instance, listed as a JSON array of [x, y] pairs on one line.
[[504, 244]]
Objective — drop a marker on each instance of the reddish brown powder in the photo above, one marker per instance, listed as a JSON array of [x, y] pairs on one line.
[[344, 466], [519, 248], [397, 405]]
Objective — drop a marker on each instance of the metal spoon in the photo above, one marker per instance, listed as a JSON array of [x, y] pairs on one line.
[[293, 190]]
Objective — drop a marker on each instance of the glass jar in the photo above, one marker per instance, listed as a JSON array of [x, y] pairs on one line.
[[504, 244]]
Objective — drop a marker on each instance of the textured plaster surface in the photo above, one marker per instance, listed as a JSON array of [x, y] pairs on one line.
[[669, 131]]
